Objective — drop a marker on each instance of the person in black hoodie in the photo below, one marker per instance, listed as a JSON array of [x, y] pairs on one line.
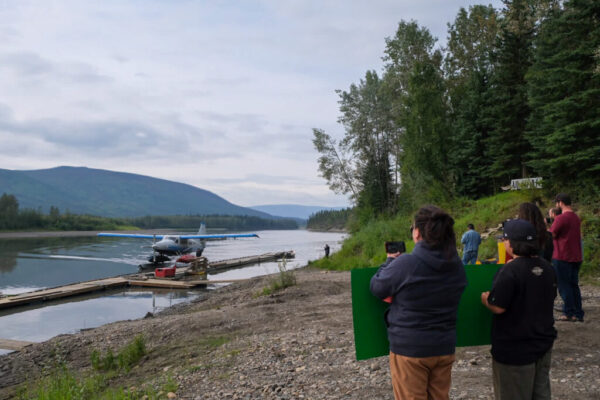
[[425, 286]]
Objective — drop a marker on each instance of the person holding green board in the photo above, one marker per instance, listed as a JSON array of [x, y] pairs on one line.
[[522, 301], [425, 288]]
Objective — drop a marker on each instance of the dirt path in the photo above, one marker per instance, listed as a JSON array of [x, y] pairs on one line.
[[296, 344]]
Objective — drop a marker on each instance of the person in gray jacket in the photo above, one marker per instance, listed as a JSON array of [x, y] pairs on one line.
[[425, 287]]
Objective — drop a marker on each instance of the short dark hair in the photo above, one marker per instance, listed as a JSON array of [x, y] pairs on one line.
[[525, 249], [436, 228], [565, 198], [470, 226]]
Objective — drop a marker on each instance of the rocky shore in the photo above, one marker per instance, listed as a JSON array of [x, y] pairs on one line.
[[294, 344]]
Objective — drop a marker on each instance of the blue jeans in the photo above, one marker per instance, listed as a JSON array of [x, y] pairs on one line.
[[469, 257], [567, 274]]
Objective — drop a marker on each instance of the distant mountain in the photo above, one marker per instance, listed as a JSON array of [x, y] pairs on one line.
[[81, 190], [292, 210]]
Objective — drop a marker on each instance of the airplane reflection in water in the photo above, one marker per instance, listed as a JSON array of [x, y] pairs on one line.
[[171, 245]]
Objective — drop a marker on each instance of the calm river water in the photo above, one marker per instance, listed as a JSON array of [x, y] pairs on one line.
[[30, 264]]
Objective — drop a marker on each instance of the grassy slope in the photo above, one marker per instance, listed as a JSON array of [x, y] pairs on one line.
[[365, 247]]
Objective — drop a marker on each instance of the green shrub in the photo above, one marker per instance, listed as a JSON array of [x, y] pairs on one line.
[[285, 278], [125, 359]]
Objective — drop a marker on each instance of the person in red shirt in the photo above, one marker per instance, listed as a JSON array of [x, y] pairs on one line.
[[567, 258]]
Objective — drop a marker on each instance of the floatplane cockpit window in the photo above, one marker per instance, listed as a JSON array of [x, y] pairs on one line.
[[172, 238]]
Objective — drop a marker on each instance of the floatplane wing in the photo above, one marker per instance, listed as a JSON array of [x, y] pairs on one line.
[[131, 235], [160, 237], [226, 236]]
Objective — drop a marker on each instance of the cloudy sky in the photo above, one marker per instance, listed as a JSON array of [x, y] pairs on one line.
[[222, 95]]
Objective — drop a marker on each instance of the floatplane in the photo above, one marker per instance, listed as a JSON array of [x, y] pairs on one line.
[[165, 246]]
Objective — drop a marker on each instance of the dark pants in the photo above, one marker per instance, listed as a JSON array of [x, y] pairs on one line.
[[523, 382], [567, 274]]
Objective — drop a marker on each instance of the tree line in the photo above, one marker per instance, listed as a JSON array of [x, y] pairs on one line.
[[230, 222], [13, 218], [515, 93], [329, 220]]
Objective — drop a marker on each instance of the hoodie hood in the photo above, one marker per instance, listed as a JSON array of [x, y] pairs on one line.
[[435, 258]]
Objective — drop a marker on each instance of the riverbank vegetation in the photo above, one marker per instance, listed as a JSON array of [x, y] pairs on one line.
[[12, 218], [514, 94], [365, 247], [60, 382], [329, 220]]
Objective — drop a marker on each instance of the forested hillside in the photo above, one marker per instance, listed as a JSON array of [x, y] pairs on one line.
[[515, 93], [112, 194]]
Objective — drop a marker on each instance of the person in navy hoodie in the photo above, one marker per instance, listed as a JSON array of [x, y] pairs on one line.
[[425, 288]]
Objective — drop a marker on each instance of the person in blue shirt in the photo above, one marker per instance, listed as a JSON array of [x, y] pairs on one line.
[[471, 241]]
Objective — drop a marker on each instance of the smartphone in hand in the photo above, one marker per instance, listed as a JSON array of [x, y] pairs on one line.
[[395, 247]]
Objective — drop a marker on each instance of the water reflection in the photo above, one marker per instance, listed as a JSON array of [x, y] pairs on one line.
[[8, 256], [36, 324]]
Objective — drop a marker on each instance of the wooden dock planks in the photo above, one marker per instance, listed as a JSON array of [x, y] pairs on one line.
[[136, 280], [62, 291], [237, 262]]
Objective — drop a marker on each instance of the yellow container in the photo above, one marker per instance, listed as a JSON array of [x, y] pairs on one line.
[[501, 253]]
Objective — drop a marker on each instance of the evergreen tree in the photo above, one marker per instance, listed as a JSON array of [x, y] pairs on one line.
[[9, 211], [507, 147], [468, 68], [564, 88]]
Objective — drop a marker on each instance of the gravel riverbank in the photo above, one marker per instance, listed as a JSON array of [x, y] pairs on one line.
[[295, 344]]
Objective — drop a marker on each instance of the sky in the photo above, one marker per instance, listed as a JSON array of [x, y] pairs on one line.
[[221, 95]]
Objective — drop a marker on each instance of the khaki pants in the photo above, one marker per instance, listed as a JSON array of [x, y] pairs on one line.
[[426, 378]]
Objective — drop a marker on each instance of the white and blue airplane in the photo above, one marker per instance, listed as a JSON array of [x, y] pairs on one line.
[[171, 245]]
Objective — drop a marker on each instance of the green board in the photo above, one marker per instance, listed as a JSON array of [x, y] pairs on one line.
[[473, 324]]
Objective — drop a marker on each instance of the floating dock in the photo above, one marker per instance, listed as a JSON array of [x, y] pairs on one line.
[[140, 280]]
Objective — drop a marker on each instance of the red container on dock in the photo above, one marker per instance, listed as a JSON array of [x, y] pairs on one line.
[[164, 272]]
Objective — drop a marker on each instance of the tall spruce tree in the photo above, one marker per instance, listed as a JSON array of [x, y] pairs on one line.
[[468, 68], [564, 91], [506, 146]]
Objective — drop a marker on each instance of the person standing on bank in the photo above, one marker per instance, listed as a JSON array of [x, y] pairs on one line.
[[326, 250], [471, 241], [567, 258], [522, 300], [425, 288]]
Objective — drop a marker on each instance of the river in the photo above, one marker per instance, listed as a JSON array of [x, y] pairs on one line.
[[36, 263]]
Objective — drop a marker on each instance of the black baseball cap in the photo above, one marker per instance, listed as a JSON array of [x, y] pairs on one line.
[[519, 230], [565, 198]]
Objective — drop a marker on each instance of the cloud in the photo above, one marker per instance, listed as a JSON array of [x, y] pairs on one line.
[[28, 65], [221, 95]]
